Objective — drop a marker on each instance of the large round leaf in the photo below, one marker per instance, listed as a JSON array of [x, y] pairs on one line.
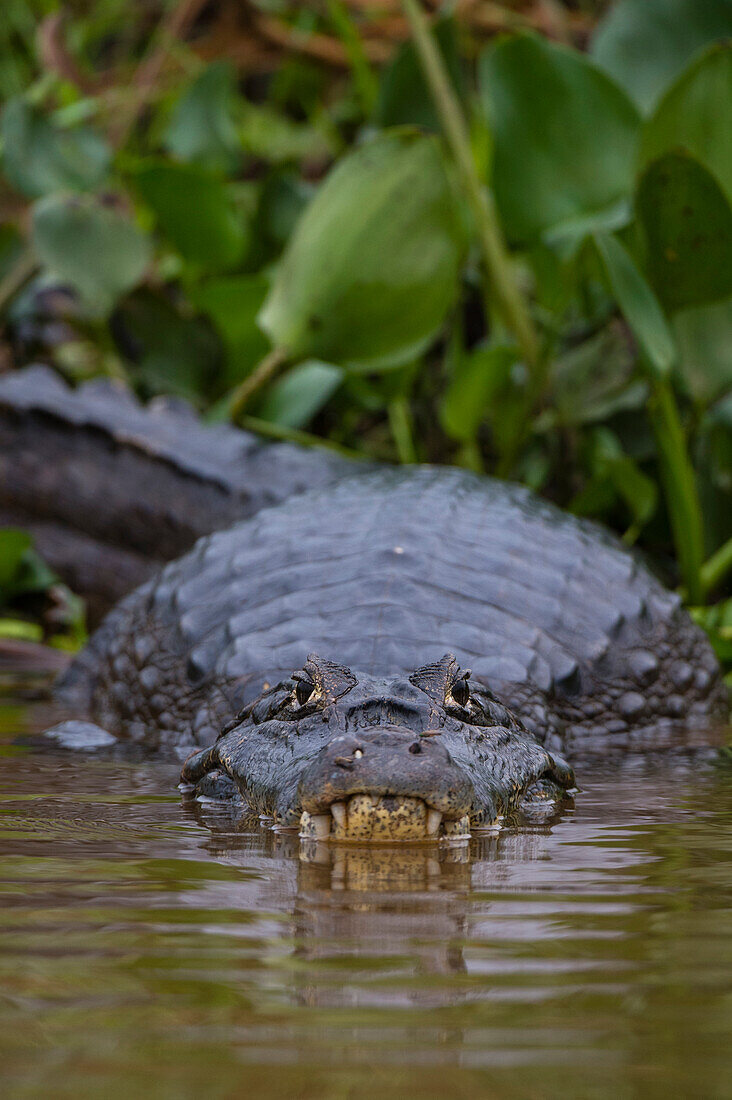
[[696, 115], [202, 129], [644, 44], [688, 227], [92, 246], [565, 139], [40, 156], [194, 210], [372, 266]]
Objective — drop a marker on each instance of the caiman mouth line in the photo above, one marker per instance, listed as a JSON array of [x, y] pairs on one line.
[[382, 818]]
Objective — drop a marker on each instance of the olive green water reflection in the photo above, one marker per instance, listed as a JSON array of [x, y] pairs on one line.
[[143, 953]]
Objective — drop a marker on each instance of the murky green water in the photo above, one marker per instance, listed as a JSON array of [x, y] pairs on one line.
[[145, 952]]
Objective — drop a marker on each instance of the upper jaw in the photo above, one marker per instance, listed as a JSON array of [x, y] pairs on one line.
[[389, 785]]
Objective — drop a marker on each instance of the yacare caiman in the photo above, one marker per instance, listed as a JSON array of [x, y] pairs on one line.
[[367, 653]]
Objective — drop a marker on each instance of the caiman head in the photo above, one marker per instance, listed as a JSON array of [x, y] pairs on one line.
[[340, 755]]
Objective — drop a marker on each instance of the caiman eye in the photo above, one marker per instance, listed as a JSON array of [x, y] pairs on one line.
[[303, 690], [460, 691]]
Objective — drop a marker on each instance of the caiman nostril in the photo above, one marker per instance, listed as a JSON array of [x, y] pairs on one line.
[[415, 748]]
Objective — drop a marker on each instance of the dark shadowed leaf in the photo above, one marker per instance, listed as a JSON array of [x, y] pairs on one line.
[[202, 129], [615, 476], [638, 303], [21, 569], [232, 303], [295, 399], [594, 381], [688, 226], [695, 115], [372, 267], [90, 245], [172, 353], [194, 210], [565, 139], [644, 44], [39, 156], [404, 98]]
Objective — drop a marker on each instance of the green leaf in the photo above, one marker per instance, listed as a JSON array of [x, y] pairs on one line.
[[644, 44], [232, 303], [173, 353], [372, 267], [294, 399], [14, 544], [688, 227], [90, 245], [202, 130], [40, 157], [594, 381], [613, 476], [704, 337], [565, 139], [717, 622], [638, 304], [404, 98], [478, 380], [21, 569], [194, 210], [695, 115]]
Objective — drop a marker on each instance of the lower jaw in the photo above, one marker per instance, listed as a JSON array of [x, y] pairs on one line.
[[377, 818]]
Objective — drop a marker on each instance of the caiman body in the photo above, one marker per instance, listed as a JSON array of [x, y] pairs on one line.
[[313, 632]]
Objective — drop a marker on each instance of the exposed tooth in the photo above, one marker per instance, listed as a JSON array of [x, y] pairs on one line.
[[458, 830], [340, 814], [314, 826], [434, 820], [322, 826]]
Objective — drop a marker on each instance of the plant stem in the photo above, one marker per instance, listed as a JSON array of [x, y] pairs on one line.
[[294, 435], [19, 274], [716, 568], [265, 370], [682, 499], [490, 237], [400, 422]]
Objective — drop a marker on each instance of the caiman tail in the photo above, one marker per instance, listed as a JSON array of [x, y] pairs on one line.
[[111, 489]]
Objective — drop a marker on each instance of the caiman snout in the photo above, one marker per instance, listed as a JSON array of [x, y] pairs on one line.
[[387, 785]]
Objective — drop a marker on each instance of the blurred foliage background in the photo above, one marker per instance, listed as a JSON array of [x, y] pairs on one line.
[[491, 234]]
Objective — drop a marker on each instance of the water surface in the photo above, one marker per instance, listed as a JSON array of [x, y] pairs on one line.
[[150, 946]]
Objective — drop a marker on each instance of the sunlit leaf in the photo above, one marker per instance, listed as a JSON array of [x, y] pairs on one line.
[[688, 226], [40, 156], [194, 210], [479, 378], [565, 139], [644, 44], [90, 245], [372, 266], [295, 398], [638, 304]]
